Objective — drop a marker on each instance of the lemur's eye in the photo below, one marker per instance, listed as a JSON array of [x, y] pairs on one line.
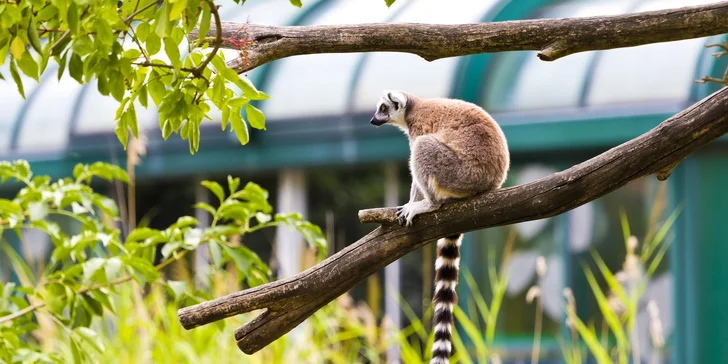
[[383, 108]]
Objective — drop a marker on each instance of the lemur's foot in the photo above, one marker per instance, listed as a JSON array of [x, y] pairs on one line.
[[408, 211]]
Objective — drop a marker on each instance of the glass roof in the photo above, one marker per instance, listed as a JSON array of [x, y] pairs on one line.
[[660, 73], [655, 72], [408, 72], [10, 104], [543, 85], [337, 85], [327, 76], [47, 113]]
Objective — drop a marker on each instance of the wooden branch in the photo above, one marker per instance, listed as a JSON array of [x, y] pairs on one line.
[[289, 301], [555, 38]]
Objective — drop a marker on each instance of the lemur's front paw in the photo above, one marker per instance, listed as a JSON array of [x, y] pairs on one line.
[[405, 214]]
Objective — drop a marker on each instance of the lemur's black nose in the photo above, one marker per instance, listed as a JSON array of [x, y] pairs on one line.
[[376, 122]]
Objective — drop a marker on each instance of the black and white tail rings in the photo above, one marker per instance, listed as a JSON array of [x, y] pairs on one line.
[[445, 298]]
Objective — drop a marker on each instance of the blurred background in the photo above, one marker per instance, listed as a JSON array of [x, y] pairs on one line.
[[321, 157]]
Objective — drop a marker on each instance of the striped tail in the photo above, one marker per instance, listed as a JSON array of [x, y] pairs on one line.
[[445, 298]]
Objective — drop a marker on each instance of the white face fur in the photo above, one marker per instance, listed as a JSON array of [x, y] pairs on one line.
[[390, 110]]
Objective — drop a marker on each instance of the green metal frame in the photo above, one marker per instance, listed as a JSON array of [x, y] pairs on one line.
[[697, 186], [472, 70]]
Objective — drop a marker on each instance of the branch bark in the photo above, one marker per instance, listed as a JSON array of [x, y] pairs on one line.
[[554, 38], [288, 302]]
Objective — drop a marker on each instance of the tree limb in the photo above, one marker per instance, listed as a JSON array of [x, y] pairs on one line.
[[555, 38], [289, 301]]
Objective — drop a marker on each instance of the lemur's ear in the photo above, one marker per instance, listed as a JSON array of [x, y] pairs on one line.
[[396, 104], [397, 98]]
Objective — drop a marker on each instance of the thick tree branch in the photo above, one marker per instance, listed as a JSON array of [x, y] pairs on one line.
[[288, 302], [555, 38]]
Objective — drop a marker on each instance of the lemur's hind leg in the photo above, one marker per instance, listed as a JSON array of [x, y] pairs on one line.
[[433, 164]]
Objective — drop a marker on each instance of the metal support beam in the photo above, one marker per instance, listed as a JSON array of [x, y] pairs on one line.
[[289, 242], [202, 255], [392, 271]]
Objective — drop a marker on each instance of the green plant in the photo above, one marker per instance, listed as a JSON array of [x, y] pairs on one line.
[[619, 306], [81, 279]]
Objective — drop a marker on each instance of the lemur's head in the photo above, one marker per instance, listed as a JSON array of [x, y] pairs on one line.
[[390, 109]]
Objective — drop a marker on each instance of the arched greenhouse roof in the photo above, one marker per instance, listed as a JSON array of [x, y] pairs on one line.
[[320, 104]]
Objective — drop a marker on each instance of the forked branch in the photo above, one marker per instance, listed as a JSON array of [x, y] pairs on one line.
[[554, 38], [289, 301]]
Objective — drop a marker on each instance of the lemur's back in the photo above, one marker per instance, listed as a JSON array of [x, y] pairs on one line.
[[470, 132]]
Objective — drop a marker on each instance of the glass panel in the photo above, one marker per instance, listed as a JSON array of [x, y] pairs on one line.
[[266, 12], [47, 119], [295, 80], [97, 113], [408, 72], [10, 103], [543, 85], [655, 72]]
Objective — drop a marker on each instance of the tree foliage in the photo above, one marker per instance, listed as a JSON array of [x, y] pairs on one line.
[[138, 53], [86, 267]]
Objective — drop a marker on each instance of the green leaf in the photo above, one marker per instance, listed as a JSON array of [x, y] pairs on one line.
[[297, 3], [76, 352], [62, 66], [132, 53], [141, 234], [112, 268], [106, 205], [215, 188], [206, 207], [154, 44], [473, 332], [183, 222], [172, 52], [162, 20], [178, 7], [157, 90], [104, 33], [143, 96], [83, 45], [37, 211], [218, 90], [205, 22], [142, 31], [233, 183], [241, 256], [75, 68], [91, 266], [255, 117], [177, 288], [216, 254], [72, 17], [141, 268], [91, 338], [244, 84], [33, 36], [241, 129], [16, 78], [389, 2], [17, 48], [28, 65], [122, 132]]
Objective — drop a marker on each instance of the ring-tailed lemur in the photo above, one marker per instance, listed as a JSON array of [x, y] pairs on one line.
[[457, 150]]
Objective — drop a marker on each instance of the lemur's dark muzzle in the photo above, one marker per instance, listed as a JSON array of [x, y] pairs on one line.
[[377, 122]]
